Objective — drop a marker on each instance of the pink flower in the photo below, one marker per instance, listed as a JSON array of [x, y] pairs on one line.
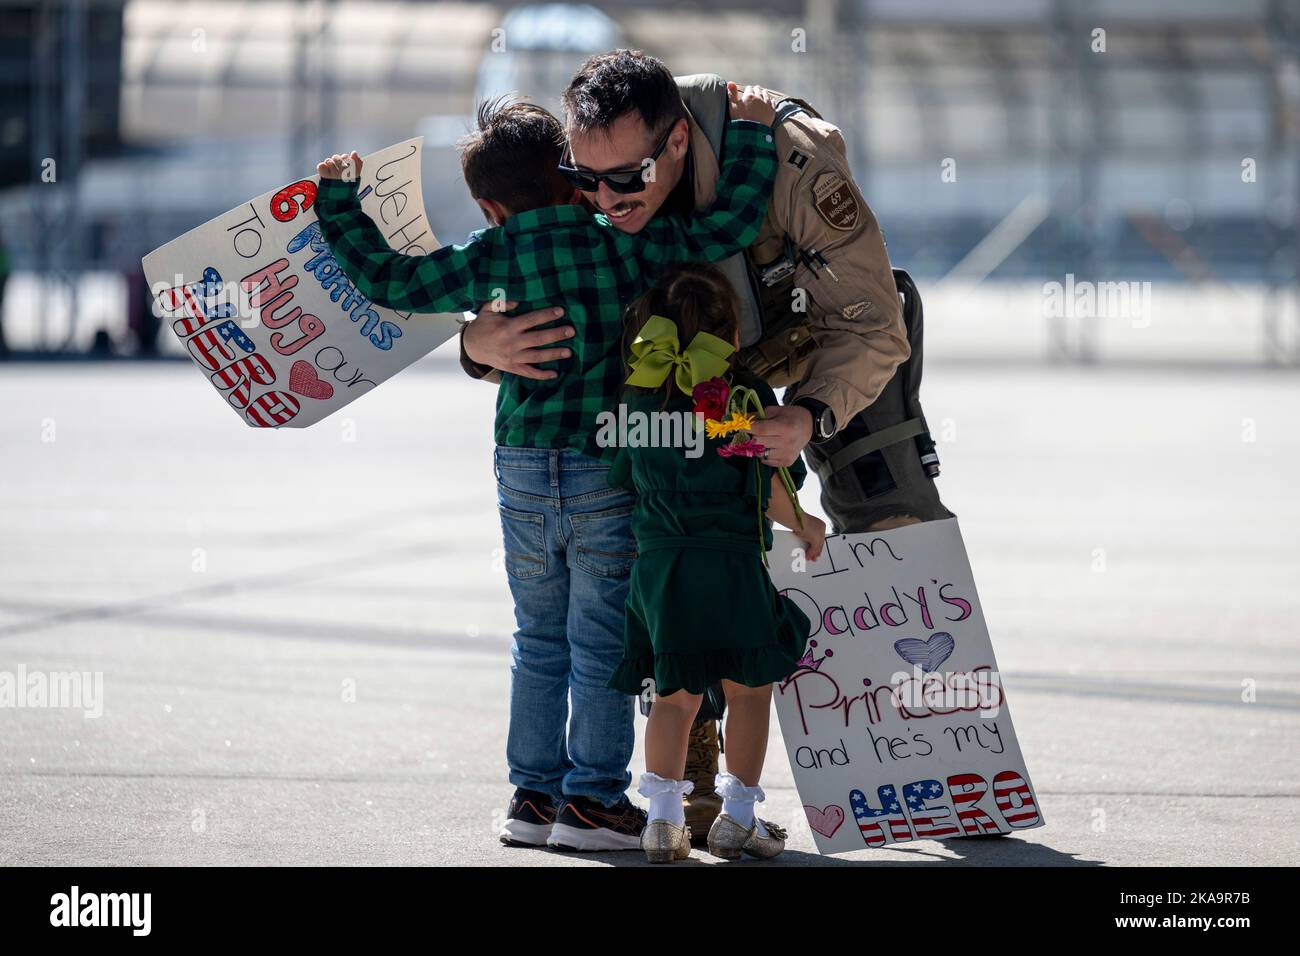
[[749, 448], [711, 398]]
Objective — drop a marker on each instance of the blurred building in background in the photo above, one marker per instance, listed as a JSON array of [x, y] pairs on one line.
[[1008, 147]]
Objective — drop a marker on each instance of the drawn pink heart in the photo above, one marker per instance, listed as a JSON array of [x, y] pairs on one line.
[[304, 380], [825, 821]]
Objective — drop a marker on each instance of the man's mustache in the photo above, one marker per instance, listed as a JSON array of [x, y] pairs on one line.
[[623, 204]]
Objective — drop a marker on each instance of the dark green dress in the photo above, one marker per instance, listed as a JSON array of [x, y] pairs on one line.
[[700, 606]]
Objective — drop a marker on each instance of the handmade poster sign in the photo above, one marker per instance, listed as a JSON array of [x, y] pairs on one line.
[[895, 722], [269, 318]]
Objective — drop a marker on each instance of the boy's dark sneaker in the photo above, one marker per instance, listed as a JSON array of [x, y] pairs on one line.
[[530, 819], [586, 826]]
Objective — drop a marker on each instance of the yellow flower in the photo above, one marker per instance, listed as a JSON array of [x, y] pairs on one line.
[[738, 422]]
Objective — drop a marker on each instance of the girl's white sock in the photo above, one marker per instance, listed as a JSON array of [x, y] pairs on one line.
[[738, 801], [665, 797]]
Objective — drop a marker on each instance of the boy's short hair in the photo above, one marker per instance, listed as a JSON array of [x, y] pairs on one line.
[[610, 85], [514, 154]]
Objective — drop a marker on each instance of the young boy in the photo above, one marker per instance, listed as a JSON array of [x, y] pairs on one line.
[[568, 539]]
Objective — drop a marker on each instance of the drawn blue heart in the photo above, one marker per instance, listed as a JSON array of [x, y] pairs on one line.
[[928, 654]]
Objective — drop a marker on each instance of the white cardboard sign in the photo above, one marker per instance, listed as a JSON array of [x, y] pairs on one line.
[[895, 722], [269, 318]]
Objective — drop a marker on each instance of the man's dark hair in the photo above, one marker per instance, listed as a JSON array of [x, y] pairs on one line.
[[511, 158], [610, 85]]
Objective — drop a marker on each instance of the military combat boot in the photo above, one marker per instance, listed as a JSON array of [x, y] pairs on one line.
[[703, 803]]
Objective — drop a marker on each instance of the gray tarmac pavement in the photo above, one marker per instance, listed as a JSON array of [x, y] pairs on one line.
[[304, 635]]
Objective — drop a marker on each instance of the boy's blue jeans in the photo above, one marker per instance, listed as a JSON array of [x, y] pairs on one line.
[[568, 555]]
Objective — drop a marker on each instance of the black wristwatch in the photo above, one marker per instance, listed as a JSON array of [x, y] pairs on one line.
[[822, 416]]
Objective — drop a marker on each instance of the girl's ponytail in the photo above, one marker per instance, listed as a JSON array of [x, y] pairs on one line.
[[697, 297]]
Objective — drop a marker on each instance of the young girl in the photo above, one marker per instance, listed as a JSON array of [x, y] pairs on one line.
[[701, 608]]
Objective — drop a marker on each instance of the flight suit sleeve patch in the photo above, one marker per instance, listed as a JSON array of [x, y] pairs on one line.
[[855, 309], [797, 159], [835, 201]]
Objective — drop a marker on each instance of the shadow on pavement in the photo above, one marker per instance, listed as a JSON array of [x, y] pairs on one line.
[[1005, 851]]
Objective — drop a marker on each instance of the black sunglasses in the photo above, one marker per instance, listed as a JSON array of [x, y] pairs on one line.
[[622, 181]]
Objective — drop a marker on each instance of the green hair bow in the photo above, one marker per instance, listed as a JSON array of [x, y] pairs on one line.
[[655, 352]]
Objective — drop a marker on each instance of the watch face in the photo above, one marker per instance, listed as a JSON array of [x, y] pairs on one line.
[[826, 424]]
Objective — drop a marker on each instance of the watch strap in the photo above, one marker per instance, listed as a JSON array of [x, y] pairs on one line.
[[818, 410]]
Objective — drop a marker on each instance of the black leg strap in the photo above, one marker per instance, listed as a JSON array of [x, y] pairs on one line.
[[865, 446]]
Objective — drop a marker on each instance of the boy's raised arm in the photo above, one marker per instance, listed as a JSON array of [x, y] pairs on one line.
[[449, 279], [732, 223]]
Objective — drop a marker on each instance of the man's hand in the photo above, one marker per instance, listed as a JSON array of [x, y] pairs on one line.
[[505, 342], [785, 431], [752, 103], [338, 166]]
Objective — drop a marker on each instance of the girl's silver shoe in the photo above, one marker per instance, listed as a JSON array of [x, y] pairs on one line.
[[665, 842], [728, 839]]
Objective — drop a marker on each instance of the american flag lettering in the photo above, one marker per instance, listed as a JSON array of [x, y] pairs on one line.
[[230, 332], [926, 820], [193, 298], [967, 789], [211, 348], [1015, 799], [240, 376], [872, 821], [272, 409]]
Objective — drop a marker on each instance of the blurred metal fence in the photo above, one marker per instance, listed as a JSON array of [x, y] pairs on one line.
[[1031, 141]]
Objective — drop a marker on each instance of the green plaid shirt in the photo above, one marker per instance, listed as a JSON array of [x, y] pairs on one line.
[[557, 256]]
